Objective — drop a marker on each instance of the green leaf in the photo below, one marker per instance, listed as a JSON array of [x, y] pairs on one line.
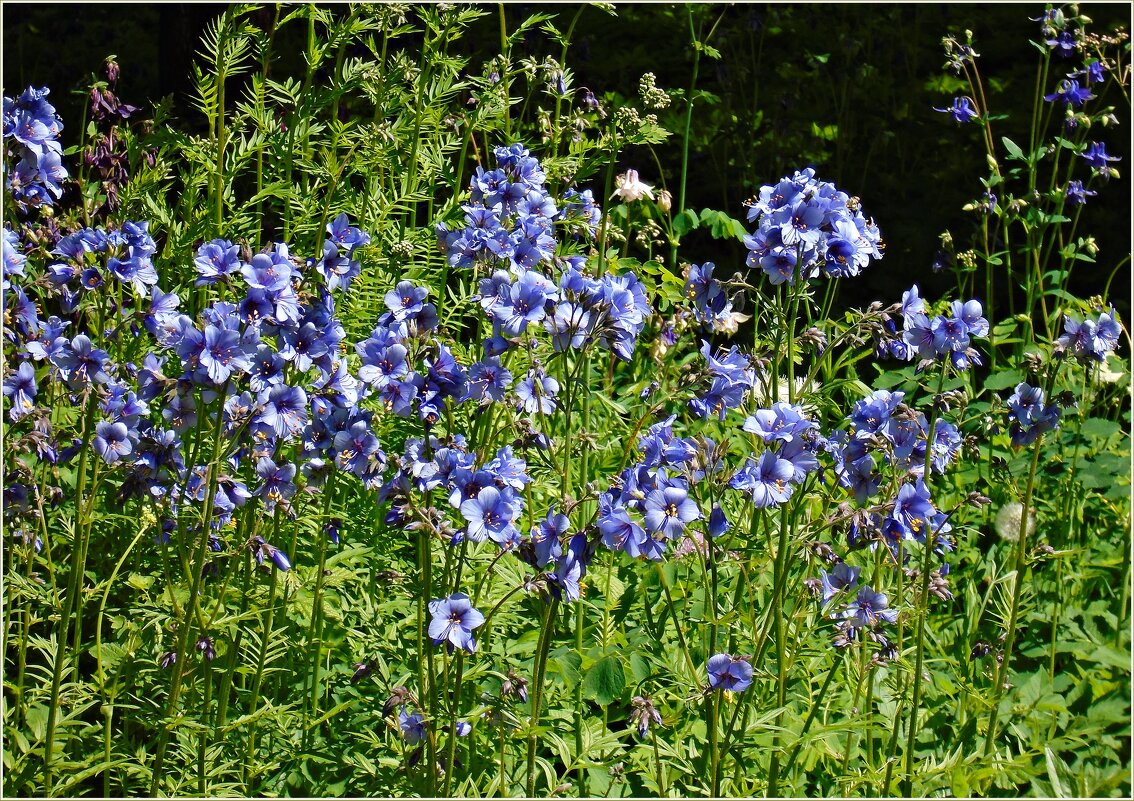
[[1003, 380], [1014, 151], [685, 222], [1098, 427], [605, 681], [722, 226]]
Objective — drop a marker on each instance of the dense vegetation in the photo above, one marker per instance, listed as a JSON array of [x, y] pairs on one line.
[[450, 401]]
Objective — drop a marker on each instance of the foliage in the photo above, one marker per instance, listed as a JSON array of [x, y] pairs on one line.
[[372, 433]]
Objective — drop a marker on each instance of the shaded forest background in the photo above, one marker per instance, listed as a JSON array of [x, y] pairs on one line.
[[848, 89]]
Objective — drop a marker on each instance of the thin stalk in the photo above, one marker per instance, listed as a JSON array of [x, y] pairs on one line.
[[688, 127], [1017, 587], [811, 715], [542, 647], [923, 598], [70, 604], [193, 603], [257, 681], [315, 629], [779, 572]]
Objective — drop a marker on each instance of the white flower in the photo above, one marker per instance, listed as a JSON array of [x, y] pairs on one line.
[[1008, 521], [630, 188]]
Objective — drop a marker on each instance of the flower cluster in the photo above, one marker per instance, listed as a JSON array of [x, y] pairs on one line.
[[1091, 340], [791, 441], [1028, 416], [807, 227], [31, 123], [943, 336], [649, 503], [269, 369], [509, 221]]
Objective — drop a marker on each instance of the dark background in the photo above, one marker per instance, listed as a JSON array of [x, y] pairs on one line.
[[786, 72]]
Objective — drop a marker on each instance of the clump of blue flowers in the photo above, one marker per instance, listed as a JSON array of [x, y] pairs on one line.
[[806, 228], [31, 131]]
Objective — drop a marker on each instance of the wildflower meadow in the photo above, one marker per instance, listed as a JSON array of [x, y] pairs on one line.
[[388, 413]]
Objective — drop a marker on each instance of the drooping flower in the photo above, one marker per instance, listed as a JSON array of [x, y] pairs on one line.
[[412, 725], [629, 187], [962, 110], [1029, 416], [20, 387]]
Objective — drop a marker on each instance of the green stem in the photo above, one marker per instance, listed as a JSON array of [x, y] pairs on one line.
[[542, 648], [1017, 587], [257, 682], [688, 127], [71, 602], [781, 650], [315, 627]]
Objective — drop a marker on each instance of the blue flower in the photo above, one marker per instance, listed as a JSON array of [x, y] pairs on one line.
[[727, 672], [783, 422], [547, 537], [112, 441], [570, 569], [21, 388], [412, 726], [718, 523], [843, 578], [962, 110], [666, 511], [768, 481], [1091, 340], [1070, 94], [488, 380], [1029, 416], [406, 300], [454, 619], [261, 548], [568, 325], [869, 608], [537, 392], [1096, 157], [913, 511], [277, 485], [1076, 194], [223, 353], [722, 396], [619, 531], [216, 261], [491, 514], [80, 362]]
